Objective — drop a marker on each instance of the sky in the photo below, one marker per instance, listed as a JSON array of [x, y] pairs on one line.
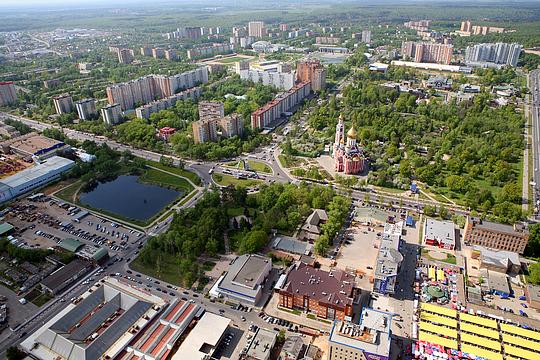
[[55, 4]]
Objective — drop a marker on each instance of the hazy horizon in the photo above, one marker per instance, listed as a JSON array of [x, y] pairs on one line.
[[69, 4]]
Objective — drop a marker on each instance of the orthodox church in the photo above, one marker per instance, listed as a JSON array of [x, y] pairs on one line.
[[348, 157]]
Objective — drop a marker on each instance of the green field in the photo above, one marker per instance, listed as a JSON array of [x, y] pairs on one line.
[[166, 271], [254, 165], [175, 170], [158, 177], [226, 180], [233, 59]]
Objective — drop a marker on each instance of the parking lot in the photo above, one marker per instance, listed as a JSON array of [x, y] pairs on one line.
[[45, 222], [359, 253]]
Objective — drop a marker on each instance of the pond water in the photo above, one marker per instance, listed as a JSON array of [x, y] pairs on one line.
[[129, 198]]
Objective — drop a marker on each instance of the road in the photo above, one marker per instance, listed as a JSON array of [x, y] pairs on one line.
[[534, 108]]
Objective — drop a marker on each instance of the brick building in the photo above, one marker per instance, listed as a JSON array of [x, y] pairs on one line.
[[327, 294], [496, 236]]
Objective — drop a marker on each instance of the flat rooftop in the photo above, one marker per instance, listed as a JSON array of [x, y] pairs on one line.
[[372, 335], [442, 231], [262, 344], [204, 338], [247, 269], [32, 143], [54, 163]]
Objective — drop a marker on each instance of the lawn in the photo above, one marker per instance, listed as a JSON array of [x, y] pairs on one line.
[[232, 59], [167, 271], [175, 170], [227, 180], [69, 191], [158, 177], [257, 166]]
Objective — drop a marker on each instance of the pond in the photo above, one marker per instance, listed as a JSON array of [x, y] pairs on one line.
[[129, 198]]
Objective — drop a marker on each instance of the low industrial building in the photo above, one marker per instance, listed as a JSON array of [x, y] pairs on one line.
[[261, 345], [498, 283], [202, 341], [99, 325], [158, 340], [65, 276], [498, 260], [327, 294], [33, 145], [33, 177], [370, 339], [245, 278], [291, 245], [440, 233]]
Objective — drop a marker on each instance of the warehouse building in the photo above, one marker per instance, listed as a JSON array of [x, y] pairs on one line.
[[33, 145], [65, 276], [158, 340], [34, 177], [99, 326]]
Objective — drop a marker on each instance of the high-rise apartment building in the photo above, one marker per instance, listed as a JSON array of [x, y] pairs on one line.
[[146, 51], [86, 109], [171, 55], [496, 236], [125, 56], [8, 94], [146, 89], [427, 52], [466, 26], [496, 53], [283, 27], [63, 104], [211, 110], [274, 109], [468, 29], [313, 71], [279, 80], [209, 50], [366, 36], [231, 125], [158, 53], [144, 112], [421, 25], [111, 114], [204, 130], [193, 33], [256, 29], [241, 65]]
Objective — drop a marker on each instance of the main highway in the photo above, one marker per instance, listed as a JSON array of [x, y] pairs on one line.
[[534, 109]]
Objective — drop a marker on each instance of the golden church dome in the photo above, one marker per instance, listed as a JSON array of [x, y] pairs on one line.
[[351, 133]]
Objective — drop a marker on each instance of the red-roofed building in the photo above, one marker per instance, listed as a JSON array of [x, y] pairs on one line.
[[328, 294], [166, 132]]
